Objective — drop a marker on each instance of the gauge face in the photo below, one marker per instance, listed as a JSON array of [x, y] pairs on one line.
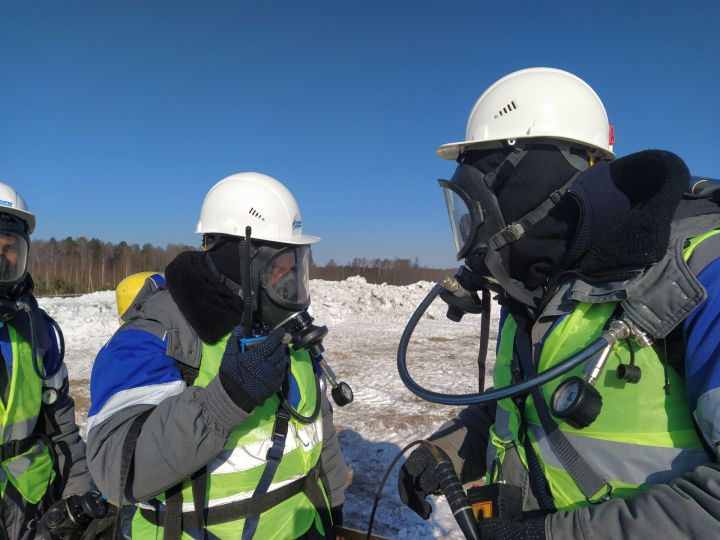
[[566, 395], [577, 402], [49, 396], [342, 394]]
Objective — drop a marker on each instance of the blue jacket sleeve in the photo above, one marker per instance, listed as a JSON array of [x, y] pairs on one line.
[[702, 359], [186, 428], [131, 369]]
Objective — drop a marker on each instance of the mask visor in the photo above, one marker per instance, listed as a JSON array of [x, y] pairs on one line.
[[13, 256], [465, 216], [286, 277]]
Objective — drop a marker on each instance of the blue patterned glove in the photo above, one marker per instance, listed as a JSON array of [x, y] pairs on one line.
[[252, 376]]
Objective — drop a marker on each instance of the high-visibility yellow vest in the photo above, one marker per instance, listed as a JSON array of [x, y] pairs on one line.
[[234, 474], [31, 472], [642, 436]]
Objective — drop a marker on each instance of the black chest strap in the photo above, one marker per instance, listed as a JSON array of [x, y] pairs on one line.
[[593, 486]]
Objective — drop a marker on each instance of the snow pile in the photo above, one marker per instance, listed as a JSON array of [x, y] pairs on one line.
[[365, 323]]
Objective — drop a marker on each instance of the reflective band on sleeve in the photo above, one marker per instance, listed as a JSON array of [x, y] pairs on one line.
[[143, 395]]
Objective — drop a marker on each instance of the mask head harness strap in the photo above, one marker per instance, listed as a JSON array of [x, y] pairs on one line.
[[243, 290], [224, 280], [516, 230]]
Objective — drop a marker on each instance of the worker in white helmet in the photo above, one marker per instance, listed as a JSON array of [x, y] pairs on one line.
[[583, 251], [42, 457], [232, 433]]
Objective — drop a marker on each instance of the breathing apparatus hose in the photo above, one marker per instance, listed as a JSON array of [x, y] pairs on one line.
[[449, 484], [496, 394], [22, 306], [293, 412]]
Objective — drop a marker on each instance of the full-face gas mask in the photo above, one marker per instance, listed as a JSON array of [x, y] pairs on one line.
[[284, 284], [481, 230], [277, 295], [14, 280], [273, 276]]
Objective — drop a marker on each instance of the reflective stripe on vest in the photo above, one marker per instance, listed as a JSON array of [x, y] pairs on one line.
[[695, 242], [31, 472], [234, 474], [641, 437]]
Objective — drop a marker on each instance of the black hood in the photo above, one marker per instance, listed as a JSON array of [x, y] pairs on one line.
[[209, 306], [614, 220], [519, 189]]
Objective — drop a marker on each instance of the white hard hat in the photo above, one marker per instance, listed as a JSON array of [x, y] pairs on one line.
[[12, 203], [256, 200], [536, 102]]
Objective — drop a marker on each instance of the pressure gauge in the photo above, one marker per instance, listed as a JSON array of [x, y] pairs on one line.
[[577, 402], [49, 396], [342, 394]]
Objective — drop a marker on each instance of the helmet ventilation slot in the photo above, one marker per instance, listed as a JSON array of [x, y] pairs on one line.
[[510, 107], [254, 213]]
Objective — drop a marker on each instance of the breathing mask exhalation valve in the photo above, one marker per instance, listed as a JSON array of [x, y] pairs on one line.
[[459, 300], [306, 335], [8, 309]]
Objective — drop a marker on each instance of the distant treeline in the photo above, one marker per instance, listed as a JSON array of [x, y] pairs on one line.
[[79, 265], [391, 271]]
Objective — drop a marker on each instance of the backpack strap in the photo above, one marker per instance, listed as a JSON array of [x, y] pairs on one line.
[[126, 458]]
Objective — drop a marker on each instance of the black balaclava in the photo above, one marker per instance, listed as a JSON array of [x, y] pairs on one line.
[[197, 281], [210, 307], [613, 221], [539, 253]]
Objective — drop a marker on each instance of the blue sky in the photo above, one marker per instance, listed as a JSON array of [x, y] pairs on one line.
[[117, 117]]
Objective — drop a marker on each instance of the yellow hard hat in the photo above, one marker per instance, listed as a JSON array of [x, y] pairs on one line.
[[128, 288]]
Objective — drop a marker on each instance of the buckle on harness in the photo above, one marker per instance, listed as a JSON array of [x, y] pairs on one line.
[[602, 498], [279, 435]]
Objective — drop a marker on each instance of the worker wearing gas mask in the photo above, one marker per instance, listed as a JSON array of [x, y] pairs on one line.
[[42, 457], [201, 414], [575, 242]]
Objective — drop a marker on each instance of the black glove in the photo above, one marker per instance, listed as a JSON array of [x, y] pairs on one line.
[[252, 376], [68, 518], [337, 515], [502, 529], [418, 479], [103, 528]]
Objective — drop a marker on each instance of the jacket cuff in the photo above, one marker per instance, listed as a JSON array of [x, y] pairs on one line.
[[220, 407]]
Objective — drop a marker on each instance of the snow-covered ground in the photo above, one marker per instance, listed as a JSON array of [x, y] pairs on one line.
[[365, 323]]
